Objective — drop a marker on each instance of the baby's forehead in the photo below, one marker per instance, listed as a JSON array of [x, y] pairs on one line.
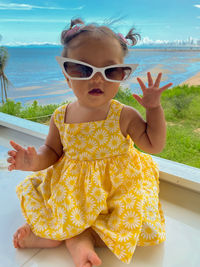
[[87, 38], [95, 44]]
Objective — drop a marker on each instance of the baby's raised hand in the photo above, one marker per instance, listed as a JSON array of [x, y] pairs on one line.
[[152, 93], [21, 158]]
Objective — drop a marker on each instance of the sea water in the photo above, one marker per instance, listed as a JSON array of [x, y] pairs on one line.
[[34, 73]]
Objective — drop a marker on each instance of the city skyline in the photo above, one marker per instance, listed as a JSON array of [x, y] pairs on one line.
[[37, 22]]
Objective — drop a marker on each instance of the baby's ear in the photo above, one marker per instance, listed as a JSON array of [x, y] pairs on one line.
[[68, 81]]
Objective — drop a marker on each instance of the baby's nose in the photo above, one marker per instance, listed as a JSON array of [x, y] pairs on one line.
[[98, 77]]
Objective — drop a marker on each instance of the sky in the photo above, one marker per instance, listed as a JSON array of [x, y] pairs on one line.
[[41, 21]]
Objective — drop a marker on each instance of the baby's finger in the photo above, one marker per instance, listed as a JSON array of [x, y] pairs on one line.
[[16, 146], [142, 85], [11, 167], [165, 87], [10, 160], [137, 98], [12, 153], [150, 80], [158, 79]]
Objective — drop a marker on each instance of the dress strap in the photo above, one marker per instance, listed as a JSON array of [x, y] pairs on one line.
[[115, 110], [59, 116]]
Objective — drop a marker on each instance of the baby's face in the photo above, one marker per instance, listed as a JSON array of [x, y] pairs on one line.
[[99, 53]]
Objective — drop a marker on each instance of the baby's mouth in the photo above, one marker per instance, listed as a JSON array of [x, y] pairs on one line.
[[96, 91]]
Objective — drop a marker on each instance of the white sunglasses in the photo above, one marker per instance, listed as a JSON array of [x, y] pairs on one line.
[[78, 70]]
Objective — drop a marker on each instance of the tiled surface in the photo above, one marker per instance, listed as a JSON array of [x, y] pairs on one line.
[[176, 251], [181, 249], [10, 219]]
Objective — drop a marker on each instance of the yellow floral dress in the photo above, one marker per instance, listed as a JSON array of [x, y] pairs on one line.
[[102, 182]]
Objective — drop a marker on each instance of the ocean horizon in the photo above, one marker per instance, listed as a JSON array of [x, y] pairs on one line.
[[34, 73]]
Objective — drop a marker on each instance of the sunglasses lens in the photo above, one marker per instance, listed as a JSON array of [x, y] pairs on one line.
[[118, 73], [75, 70]]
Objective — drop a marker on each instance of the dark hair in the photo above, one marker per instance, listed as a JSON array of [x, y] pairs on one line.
[[97, 30]]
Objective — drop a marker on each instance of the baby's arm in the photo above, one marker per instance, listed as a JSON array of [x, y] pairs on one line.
[[150, 135], [31, 160]]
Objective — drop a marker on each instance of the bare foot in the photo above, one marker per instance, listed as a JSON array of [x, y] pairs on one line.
[[25, 238], [81, 247]]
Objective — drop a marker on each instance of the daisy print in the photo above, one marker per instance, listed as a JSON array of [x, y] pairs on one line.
[[132, 172], [77, 217], [130, 247], [111, 124], [41, 225], [60, 193], [162, 235], [27, 189], [114, 142], [101, 136], [90, 204], [120, 251], [69, 202], [101, 152], [88, 129], [33, 204], [92, 145], [125, 236], [33, 217], [62, 214], [139, 205], [91, 217], [85, 156], [150, 212], [98, 194], [129, 200], [113, 222], [108, 241], [80, 143], [96, 178], [73, 128], [74, 169], [131, 220], [148, 232], [45, 213], [100, 206], [117, 180], [70, 182], [71, 153]]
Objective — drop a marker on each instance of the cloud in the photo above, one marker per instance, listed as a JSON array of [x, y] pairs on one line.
[[34, 20], [147, 40], [198, 6], [13, 6]]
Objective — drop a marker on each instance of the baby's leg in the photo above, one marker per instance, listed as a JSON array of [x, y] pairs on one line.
[[25, 238], [81, 247]]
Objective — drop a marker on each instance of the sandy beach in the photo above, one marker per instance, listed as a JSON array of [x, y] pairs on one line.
[[194, 80], [59, 92]]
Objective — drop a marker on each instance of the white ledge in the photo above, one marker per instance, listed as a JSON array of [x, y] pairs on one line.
[[170, 171], [25, 126]]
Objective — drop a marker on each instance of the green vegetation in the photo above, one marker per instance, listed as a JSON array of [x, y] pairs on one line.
[[182, 112], [33, 112]]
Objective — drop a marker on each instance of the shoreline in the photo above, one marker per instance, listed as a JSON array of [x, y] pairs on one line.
[[194, 80], [58, 91], [164, 49]]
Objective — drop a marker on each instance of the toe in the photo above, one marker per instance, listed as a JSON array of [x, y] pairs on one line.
[[94, 259], [21, 234], [15, 239]]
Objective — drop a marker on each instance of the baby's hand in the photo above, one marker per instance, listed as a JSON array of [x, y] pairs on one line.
[[152, 94], [21, 158]]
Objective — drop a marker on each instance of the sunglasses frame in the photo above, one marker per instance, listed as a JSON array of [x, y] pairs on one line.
[[62, 60]]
